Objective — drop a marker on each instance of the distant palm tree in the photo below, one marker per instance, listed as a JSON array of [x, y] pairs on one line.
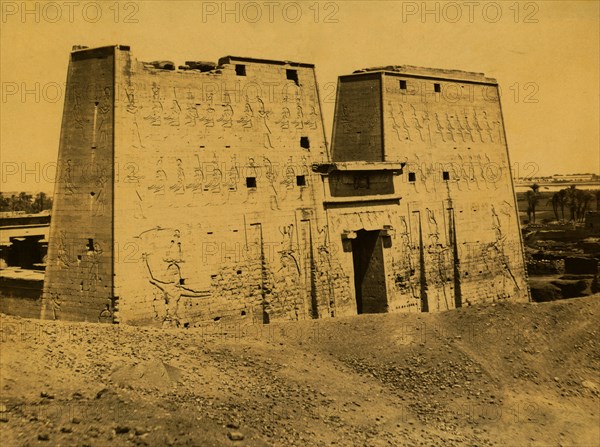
[[571, 200], [554, 202], [558, 201], [584, 198], [562, 202], [533, 197]]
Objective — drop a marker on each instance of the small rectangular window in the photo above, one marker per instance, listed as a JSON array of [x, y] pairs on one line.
[[402, 85], [292, 75], [446, 175], [90, 245], [251, 182], [240, 70], [412, 177], [300, 180], [437, 88], [304, 143]]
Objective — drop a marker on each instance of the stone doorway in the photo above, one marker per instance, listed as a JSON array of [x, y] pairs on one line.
[[369, 272]]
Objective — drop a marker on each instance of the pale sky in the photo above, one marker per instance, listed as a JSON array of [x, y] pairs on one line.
[[544, 54]]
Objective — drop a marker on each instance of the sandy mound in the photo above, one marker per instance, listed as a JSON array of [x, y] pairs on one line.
[[150, 374]]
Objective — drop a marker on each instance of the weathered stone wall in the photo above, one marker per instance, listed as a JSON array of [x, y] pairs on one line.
[[455, 237], [193, 195], [78, 281], [357, 134], [217, 209]]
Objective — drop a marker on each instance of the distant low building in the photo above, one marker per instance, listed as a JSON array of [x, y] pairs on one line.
[[575, 177]]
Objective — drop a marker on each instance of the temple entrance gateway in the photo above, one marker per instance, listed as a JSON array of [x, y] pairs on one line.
[[369, 272]]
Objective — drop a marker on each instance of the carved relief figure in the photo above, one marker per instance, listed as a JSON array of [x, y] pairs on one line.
[[284, 121], [264, 120], [104, 105], [63, 258], [439, 128], [155, 117], [271, 177], [100, 196], [198, 181], [160, 178], [179, 187], [299, 121], [209, 114], [313, 118], [191, 116], [173, 117], [226, 118], [172, 288], [67, 178], [248, 116], [133, 109]]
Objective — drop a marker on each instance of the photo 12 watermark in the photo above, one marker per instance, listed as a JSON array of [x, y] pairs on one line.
[[470, 12], [270, 12], [70, 12]]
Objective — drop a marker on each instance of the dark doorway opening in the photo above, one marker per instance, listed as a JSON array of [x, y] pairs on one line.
[[25, 252], [369, 273]]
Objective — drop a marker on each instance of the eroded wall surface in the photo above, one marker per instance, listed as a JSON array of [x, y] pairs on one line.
[[78, 280], [195, 195], [455, 237], [218, 215]]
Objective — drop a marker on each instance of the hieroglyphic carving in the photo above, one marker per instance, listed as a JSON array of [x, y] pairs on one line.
[[439, 128], [133, 109], [226, 118], [439, 252], [499, 247], [63, 258], [209, 113], [179, 187], [271, 176], [160, 178], [467, 127], [263, 114], [104, 105], [406, 279], [198, 180], [334, 283], [91, 267], [417, 124], [66, 177], [284, 121], [233, 175], [288, 277], [313, 118], [289, 179], [214, 182], [400, 126], [477, 126], [247, 118], [77, 109], [191, 115], [459, 127], [299, 121], [155, 116], [488, 127], [450, 128], [100, 196], [175, 112]]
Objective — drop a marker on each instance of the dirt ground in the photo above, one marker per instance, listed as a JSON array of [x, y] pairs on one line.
[[501, 375]]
